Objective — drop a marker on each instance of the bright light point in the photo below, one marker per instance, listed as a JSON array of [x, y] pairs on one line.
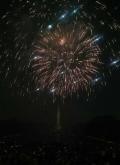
[[62, 41], [37, 89], [75, 11], [63, 16], [62, 72], [97, 38], [52, 90], [115, 62], [97, 79], [35, 58], [75, 82], [50, 27]]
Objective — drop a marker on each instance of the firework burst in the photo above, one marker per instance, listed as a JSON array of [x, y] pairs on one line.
[[62, 47], [66, 59]]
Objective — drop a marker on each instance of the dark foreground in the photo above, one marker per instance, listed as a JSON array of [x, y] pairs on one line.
[[84, 151], [97, 143]]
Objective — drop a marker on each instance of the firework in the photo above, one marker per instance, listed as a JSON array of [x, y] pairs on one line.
[[66, 59], [59, 47]]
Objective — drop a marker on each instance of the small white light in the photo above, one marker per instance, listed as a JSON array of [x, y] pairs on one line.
[[75, 82], [75, 11], [97, 79], [63, 16], [50, 26], [35, 58], [62, 72], [114, 62], [97, 39], [37, 89], [52, 90]]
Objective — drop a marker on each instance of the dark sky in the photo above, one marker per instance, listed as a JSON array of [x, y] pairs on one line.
[[105, 103]]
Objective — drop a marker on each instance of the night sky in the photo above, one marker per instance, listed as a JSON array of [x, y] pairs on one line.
[[41, 109]]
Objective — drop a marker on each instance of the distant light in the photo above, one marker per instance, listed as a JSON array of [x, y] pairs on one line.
[[75, 11], [114, 62], [97, 38], [97, 79], [75, 82], [63, 16], [50, 27], [35, 58], [52, 90], [37, 89], [62, 72], [62, 41]]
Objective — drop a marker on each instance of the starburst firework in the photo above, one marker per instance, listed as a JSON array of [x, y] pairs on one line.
[[66, 59], [64, 42]]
